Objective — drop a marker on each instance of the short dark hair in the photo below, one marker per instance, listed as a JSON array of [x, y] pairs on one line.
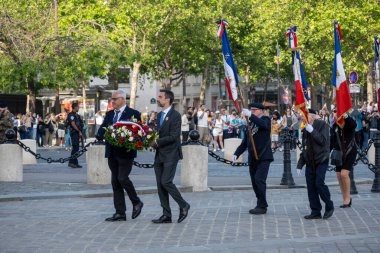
[[74, 105], [169, 94]]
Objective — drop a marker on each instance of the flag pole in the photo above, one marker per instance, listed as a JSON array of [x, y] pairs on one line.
[[248, 125]]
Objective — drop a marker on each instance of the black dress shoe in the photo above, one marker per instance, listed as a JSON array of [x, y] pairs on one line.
[[346, 205], [258, 210], [183, 213], [137, 210], [117, 217], [72, 165], [328, 214], [163, 219], [313, 217]]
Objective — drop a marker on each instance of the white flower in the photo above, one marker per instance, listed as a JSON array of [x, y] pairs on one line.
[[111, 127], [129, 133], [140, 133], [122, 134], [149, 136], [113, 135], [131, 138], [123, 127]]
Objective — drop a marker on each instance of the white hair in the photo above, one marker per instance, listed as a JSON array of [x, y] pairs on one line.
[[121, 93]]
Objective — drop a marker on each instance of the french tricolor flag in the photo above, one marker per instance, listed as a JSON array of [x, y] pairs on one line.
[[291, 34], [377, 69], [339, 81], [300, 84], [231, 76]]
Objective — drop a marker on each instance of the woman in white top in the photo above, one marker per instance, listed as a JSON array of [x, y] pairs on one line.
[[217, 131]]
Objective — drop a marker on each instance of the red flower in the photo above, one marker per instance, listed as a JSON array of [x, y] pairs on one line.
[[120, 140], [139, 144], [146, 128], [135, 129]]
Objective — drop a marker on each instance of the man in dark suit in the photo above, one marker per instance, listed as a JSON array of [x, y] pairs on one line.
[[120, 160], [258, 169], [168, 152]]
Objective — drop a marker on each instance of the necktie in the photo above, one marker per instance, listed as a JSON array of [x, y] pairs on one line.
[[162, 118], [116, 116]]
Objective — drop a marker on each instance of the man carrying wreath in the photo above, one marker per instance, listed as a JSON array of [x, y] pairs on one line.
[[120, 160]]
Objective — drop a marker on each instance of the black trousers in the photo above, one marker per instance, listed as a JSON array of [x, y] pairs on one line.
[[165, 172], [75, 146], [120, 169], [316, 187], [259, 174]]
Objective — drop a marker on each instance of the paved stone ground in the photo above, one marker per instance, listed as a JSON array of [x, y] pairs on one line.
[[217, 222], [55, 177]]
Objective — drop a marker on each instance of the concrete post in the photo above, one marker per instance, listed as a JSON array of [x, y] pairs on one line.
[[11, 163], [98, 171], [230, 146], [28, 158], [194, 170]]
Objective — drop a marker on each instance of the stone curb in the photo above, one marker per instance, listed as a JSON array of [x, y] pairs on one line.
[[142, 190]]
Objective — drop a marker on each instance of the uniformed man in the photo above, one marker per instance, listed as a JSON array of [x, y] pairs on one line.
[[75, 127], [6, 119], [258, 169]]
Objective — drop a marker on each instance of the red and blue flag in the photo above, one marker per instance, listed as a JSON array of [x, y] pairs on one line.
[[339, 81], [291, 34], [231, 75]]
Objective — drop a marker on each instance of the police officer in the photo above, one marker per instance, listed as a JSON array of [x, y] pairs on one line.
[[75, 125], [258, 169], [6, 119]]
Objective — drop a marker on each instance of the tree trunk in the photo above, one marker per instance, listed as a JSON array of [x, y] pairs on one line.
[[135, 78], [31, 103], [370, 83], [204, 84], [265, 89], [84, 95], [184, 100], [57, 105]]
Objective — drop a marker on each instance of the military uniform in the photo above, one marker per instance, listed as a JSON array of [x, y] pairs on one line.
[[74, 134], [6, 122]]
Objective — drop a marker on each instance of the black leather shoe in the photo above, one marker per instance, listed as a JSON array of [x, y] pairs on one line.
[[74, 166], [258, 210], [313, 217], [163, 219], [117, 217], [137, 210], [328, 214], [183, 213]]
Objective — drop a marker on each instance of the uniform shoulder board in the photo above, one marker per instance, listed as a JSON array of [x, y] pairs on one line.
[[72, 117]]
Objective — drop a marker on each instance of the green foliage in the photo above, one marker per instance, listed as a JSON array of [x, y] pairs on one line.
[[169, 37]]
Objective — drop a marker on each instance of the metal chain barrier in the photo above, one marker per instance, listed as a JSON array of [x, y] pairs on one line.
[[60, 160], [363, 156]]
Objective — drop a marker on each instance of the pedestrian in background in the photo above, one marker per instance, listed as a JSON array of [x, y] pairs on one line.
[[185, 125], [217, 131], [6, 119], [75, 127], [202, 124]]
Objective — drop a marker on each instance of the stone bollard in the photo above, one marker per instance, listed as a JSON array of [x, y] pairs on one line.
[[194, 170], [98, 171], [28, 158], [230, 146], [11, 163]]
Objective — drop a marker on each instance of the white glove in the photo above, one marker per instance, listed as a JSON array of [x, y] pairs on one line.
[[345, 116], [234, 158], [299, 172], [247, 112], [309, 128]]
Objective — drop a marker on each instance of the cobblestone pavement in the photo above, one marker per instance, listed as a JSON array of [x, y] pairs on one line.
[[56, 177], [217, 222]]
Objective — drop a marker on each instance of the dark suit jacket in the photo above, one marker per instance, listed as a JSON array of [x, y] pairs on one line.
[[112, 151], [261, 138], [169, 141]]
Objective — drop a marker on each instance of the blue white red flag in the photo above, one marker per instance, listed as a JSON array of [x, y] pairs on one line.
[[300, 84], [291, 34], [339, 81], [231, 76], [377, 67]]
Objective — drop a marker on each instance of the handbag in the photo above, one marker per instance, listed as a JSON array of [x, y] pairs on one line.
[[337, 155]]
